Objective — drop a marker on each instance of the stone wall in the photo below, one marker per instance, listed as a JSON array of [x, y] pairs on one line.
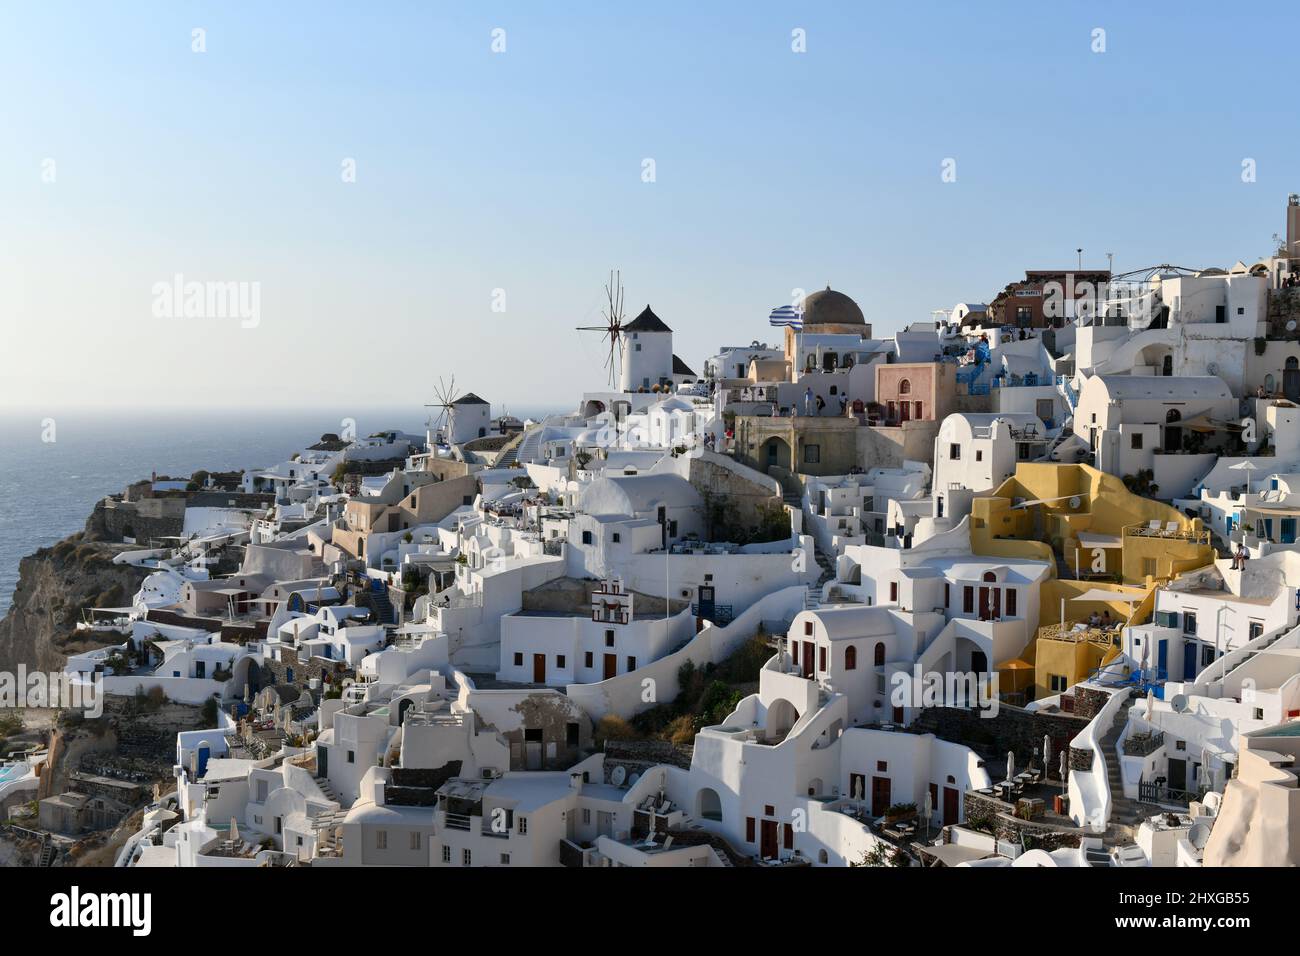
[[999, 817], [1016, 729], [142, 520]]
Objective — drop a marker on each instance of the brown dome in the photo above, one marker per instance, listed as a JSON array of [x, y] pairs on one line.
[[829, 307]]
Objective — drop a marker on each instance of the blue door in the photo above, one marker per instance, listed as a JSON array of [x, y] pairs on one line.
[[1162, 668], [1288, 531], [1189, 659]]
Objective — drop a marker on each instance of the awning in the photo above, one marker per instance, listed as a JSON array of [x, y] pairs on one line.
[[1097, 594], [1089, 539], [951, 854], [1284, 512]]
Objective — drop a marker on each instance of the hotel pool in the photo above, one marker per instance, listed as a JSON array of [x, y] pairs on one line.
[[13, 772]]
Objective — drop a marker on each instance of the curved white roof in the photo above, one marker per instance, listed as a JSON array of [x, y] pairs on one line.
[[1175, 387], [636, 494]]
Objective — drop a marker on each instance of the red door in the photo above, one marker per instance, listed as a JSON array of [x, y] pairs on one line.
[[807, 656], [879, 796], [950, 812], [768, 846], [539, 668], [611, 666], [984, 604]]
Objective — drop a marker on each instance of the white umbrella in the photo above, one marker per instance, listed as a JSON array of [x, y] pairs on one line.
[[1151, 702], [1247, 466], [234, 829], [1047, 753], [928, 809], [1011, 765], [1062, 769]]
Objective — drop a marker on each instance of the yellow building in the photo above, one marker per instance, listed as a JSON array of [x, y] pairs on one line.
[[1087, 520], [1104, 540]]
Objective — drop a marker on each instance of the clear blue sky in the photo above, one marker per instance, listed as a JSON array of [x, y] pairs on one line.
[[522, 171]]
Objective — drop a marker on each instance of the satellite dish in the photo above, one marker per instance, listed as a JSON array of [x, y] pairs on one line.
[[1290, 326], [618, 776], [1198, 836], [631, 781], [1075, 502], [1179, 703]]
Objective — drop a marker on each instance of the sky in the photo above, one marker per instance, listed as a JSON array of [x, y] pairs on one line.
[[407, 202]]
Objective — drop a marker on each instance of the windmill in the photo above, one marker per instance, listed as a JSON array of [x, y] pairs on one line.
[[445, 393], [613, 315]]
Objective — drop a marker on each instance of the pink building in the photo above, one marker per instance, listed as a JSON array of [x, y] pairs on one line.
[[920, 391]]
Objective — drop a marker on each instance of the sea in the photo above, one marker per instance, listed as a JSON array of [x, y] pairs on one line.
[[55, 465]]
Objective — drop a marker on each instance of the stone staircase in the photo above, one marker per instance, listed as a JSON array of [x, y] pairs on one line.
[[523, 451], [510, 456], [1125, 813], [326, 790], [48, 853]]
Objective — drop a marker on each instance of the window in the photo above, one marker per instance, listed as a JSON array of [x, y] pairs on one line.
[[1136, 441], [631, 663], [415, 839], [807, 628], [1149, 567], [465, 857], [609, 638], [615, 537], [788, 837], [812, 454], [904, 387], [352, 756], [821, 659], [587, 659], [381, 839], [979, 454], [769, 810], [880, 654], [586, 814], [968, 600], [1058, 683], [1189, 622], [586, 537], [523, 825], [446, 854], [519, 659], [505, 859], [1011, 602], [954, 452], [851, 658], [882, 766], [749, 829], [947, 594], [1255, 630], [893, 592], [559, 660], [919, 412]]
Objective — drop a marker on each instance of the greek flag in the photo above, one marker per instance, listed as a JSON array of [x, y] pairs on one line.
[[786, 315]]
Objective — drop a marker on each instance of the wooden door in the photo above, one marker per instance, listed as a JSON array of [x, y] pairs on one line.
[[539, 668], [767, 847], [879, 796], [950, 805], [611, 666], [807, 656]]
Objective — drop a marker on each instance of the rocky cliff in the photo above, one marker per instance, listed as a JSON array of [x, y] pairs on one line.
[[54, 586]]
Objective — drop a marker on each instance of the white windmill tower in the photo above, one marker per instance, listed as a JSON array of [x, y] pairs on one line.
[[436, 430]]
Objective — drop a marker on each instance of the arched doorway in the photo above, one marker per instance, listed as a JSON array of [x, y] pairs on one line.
[[708, 805], [775, 453], [781, 716], [1167, 366], [1174, 431]]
